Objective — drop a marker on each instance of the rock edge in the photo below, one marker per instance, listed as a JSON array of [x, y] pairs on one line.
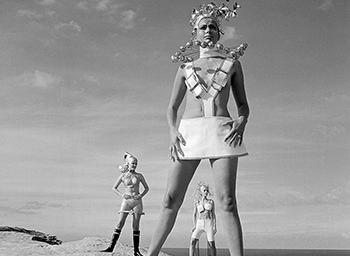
[[36, 235]]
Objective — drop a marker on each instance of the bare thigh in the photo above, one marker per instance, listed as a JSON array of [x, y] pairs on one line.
[[178, 179], [138, 208], [136, 221], [121, 221], [225, 173]]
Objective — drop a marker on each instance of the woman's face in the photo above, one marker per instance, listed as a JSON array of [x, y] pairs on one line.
[[204, 190], [132, 164], [208, 30]]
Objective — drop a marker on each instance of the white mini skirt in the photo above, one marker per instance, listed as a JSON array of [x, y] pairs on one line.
[[204, 137]]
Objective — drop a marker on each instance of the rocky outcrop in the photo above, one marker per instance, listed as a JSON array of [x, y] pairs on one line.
[[36, 235]]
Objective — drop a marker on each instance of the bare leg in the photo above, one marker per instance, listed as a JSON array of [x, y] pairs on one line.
[[194, 247], [224, 171], [121, 221], [178, 180], [136, 221]]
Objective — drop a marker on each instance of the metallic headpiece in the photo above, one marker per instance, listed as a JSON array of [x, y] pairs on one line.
[[217, 13], [213, 11]]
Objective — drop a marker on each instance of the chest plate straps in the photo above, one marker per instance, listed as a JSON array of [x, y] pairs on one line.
[[208, 92]]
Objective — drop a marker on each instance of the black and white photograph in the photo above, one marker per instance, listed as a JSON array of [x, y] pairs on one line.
[[175, 128]]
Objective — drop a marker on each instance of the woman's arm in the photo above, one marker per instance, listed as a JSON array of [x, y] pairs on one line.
[[237, 85], [238, 126], [116, 185], [177, 95], [145, 186]]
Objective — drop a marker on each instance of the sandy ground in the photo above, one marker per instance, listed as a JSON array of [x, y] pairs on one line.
[[19, 244]]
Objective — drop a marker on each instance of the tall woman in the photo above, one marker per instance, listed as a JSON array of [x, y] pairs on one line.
[[206, 130]]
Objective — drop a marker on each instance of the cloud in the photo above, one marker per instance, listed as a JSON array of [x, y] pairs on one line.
[[29, 14], [329, 130], [326, 5], [68, 29], [83, 5], [339, 195], [128, 19], [103, 5], [337, 97], [230, 34], [47, 2], [44, 80], [268, 199], [346, 235], [33, 205], [9, 211], [91, 79], [30, 207], [108, 7], [38, 79], [289, 197], [34, 15]]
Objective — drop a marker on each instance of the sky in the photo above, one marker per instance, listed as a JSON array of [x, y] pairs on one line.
[[83, 81]]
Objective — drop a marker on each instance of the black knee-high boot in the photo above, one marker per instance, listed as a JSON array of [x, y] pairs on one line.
[[136, 240], [194, 247], [211, 249], [114, 240]]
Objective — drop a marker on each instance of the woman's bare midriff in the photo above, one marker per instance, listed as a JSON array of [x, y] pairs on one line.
[[194, 107]]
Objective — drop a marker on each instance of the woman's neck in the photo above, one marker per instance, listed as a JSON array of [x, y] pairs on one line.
[[207, 53]]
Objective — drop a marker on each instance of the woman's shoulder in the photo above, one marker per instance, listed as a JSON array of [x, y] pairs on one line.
[[181, 70], [232, 66], [138, 174], [185, 66], [232, 62]]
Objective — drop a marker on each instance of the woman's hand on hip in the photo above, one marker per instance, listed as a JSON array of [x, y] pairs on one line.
[[235, 135], [137, 197], [175, 149]]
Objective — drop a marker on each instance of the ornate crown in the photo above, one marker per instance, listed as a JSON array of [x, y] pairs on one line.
[[211, 10], [217, 13]]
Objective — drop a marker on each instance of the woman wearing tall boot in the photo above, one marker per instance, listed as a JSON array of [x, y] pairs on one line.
[[132, 201]]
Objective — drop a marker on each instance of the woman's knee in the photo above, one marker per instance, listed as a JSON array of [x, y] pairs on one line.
[[120, 225], [228, 203], [121, 222], [172, 202]]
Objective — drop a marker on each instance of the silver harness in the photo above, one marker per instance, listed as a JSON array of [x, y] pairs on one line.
[[208, 92]]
